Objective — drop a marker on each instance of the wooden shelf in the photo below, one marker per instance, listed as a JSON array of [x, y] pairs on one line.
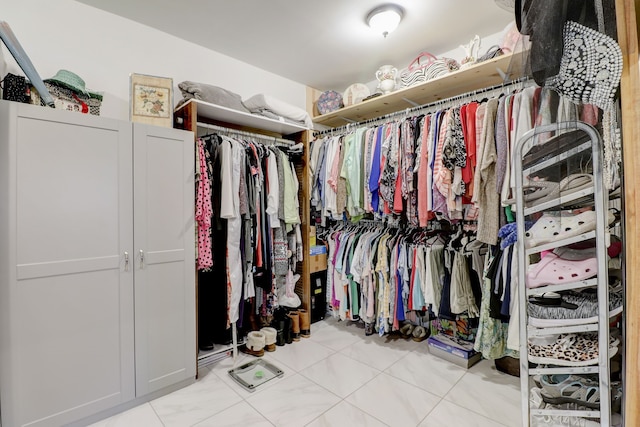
[[475, 77], [207, 112]]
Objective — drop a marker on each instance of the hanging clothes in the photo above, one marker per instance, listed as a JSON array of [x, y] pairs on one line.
[[247, 212]]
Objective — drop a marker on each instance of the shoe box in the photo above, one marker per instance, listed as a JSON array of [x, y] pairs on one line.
[[453, 350]]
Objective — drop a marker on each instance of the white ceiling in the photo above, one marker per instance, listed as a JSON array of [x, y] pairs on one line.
[[324, 44]]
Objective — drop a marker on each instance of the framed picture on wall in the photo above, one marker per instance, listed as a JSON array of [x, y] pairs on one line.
[[151, 100]]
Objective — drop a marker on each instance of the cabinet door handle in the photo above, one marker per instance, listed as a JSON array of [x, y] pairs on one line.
[[126, 261], [141, 258]]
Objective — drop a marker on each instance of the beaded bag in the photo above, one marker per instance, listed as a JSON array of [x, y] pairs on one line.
[[590, 68]]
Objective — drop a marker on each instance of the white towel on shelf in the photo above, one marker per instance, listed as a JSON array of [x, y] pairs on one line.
[[260, 103]]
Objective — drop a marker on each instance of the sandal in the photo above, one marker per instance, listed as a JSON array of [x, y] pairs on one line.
[[571, 254], [552, 270], [569, 350], [558, 389], [567, 186], [534, 190], [577, 308], [419, 333], [406, 330], [551, 299]]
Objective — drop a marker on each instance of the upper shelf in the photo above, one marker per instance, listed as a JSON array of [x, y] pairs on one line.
[[475, 77], [217, 113]]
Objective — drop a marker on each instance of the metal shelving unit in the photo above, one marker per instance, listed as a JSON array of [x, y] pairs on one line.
[[598, 198]]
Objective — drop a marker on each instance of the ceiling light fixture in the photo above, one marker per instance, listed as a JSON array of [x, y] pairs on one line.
[[384, 19]]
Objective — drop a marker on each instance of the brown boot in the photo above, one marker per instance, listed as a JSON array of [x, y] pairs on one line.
[[295, 325], [270, 337], [305, 325]]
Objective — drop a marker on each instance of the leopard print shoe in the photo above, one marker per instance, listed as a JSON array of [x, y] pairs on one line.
[[570, 350]]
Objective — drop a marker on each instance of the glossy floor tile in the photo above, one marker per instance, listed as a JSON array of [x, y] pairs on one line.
[[340, 374], [450, 414], [241, 414], [301, 354], [293, 402], [394, 402], [490, 393], [142, 415], [345, 414], [427, 372], [195, 403], [340, 377]]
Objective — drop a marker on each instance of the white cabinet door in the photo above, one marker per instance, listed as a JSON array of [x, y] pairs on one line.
[[66, 299], [164, 257]]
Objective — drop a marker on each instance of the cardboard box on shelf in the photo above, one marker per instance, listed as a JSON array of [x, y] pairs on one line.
[[317, 263]]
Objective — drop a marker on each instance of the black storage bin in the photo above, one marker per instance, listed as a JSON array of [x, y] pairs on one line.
[[318, 295]]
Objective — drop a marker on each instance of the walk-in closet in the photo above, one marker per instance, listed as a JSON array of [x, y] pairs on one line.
[[331, 214]]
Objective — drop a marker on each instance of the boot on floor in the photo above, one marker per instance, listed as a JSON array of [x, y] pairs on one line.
[[255, 344], [288, 333], [295, 325], [279, 325], [270, 338], [305, 324]]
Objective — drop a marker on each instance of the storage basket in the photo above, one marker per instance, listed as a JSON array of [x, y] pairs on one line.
[[66, 99], [426, 67]]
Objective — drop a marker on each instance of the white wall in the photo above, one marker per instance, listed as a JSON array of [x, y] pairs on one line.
[[104, 49]]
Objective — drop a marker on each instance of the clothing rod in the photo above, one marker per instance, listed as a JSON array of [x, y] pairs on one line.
[[238, 132], [426, 107]]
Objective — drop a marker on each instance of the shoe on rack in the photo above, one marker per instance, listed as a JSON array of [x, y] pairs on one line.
[[573, 308], [533, 191], [567, 186], [559, 389], [552, 270], [568, 349], [550, 228], [536, 402]]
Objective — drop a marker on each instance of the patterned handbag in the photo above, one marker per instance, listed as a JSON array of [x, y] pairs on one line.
[[15, 88], [66, 99], [590, 67], [426, 67]]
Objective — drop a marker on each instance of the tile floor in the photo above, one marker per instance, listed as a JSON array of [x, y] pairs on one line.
[[340, 377]]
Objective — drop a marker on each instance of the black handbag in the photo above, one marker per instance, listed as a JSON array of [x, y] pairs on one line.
[[15, 88]]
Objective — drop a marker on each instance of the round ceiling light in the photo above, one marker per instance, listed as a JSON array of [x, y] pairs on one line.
[[384, 19]]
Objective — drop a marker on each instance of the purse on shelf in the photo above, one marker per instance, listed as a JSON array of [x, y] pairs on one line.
[[426, 67], [15, 88], [66, 99]]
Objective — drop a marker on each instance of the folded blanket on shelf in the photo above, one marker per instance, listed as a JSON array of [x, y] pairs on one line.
[[261, 104], [271, 115], [212, 94]]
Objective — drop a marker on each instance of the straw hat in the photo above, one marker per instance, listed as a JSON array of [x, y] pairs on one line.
[[74, 82]]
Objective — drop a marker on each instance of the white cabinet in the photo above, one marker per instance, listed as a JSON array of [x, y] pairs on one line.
[[163, 209], [78, 333]]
